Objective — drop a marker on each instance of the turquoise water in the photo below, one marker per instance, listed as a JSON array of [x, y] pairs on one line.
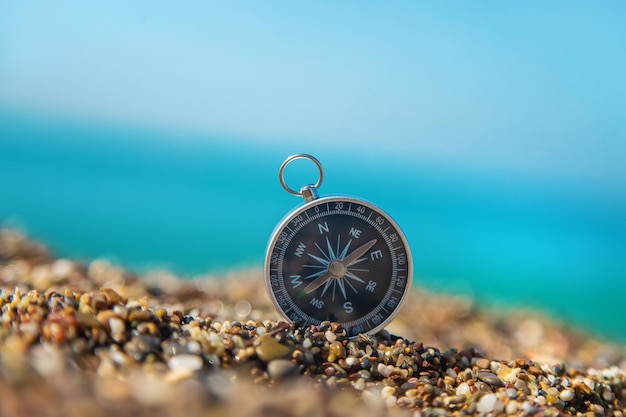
[[198, 203]]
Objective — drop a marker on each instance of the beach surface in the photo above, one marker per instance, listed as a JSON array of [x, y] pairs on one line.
[[94, 339]]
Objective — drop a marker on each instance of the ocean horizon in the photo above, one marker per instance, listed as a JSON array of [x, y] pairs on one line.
[[198, 204]]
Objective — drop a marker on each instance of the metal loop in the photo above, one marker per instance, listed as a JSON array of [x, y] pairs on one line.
[[293, 158]]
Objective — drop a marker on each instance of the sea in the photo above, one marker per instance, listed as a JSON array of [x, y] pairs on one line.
[[205, 204]]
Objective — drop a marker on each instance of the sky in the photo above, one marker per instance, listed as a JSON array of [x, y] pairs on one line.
[[529, 87]]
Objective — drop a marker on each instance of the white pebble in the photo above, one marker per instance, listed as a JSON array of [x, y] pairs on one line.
[[567, 395], [384, 370], [359, 384], [121, 311], [391, 401], [61, 268], [261, 330], [487, 403], [194, 347], [387, 391], [528, 408], [118, 326], [185, 363], [330, 336], [512, 407], [306, 343], [350, 360], [462, 389], [590, 383]]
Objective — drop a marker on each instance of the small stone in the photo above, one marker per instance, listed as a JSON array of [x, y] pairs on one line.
[[483, 363], [567, 395], [462, 389], [522, 386], [511, 393], [118, 327], [267, 348], [608, 395], [306, 343], [487, 403], [384, 370], [62, 268], [387, 391], [140, 315], [336, 351], [121, 311], [281, 368], [87, 319], [359, 384], [552, 395], [511, 407], [111, 295], [494, 381], [455, 399], [330, 336], [350, 360], [185, 363]]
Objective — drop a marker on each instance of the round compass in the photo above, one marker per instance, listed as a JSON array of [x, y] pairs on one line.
[[337, 258]]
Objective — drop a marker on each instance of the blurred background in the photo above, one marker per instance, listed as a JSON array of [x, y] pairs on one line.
[[495, 134]]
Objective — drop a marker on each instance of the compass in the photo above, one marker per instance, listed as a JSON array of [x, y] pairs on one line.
[[337, 258]]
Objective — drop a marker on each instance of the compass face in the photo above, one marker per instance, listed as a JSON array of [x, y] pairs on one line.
[[338, 259]]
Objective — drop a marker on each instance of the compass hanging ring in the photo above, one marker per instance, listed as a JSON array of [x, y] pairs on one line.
[[308, 189]]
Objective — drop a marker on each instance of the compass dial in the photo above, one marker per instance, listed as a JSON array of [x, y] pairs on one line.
[[338, 259]]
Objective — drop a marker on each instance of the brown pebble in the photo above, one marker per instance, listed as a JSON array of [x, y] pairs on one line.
[[112, 296], [139, 315], [483, 363]]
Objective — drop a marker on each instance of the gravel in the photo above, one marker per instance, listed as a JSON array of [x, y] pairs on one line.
[[93, 339]]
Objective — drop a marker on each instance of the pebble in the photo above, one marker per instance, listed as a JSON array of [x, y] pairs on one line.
[[267, 348], [483, 363], [117, 325], [384, 370], [185, 362], [462, 389], [281, 368], [336, 351], [487, 403], [567, 395], [359, 384], [511, 407]]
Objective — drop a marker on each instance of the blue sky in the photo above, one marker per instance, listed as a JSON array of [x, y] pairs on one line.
[[529, 87]]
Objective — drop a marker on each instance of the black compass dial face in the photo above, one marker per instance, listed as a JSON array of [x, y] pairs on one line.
[[338, 259]]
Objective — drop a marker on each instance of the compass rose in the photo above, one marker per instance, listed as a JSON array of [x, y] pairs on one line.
[[336, 268]]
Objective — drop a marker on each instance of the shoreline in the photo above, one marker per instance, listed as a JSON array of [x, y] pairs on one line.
[[94, 338]]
